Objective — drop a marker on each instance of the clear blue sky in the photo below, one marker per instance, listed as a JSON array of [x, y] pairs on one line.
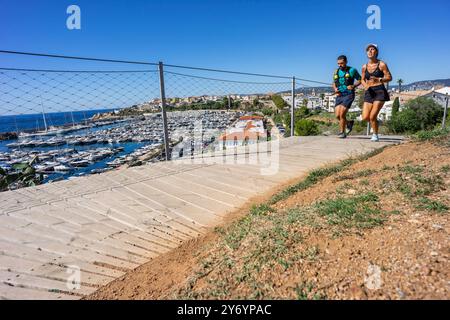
[[284, 37]]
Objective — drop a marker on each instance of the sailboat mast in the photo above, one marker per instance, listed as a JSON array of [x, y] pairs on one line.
[[43, 115]]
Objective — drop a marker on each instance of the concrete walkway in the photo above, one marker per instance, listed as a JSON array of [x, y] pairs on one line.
[[95, 228]]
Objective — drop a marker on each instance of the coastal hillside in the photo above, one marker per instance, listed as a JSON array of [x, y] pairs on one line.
[[375, 227]]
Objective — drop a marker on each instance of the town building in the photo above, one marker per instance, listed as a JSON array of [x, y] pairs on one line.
[[246, 130]]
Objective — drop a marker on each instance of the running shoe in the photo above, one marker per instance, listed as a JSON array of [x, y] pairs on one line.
[[349, 126], [342, 135]]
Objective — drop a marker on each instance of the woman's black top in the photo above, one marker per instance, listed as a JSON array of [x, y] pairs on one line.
[[378, 73]]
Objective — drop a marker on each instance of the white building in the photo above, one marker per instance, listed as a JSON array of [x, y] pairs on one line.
[[440, 96], [329, 102], [386, 111], [298, 100]]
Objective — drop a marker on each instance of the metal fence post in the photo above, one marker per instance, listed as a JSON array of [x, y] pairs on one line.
[[445, 111], [163, 110], [292, 106]]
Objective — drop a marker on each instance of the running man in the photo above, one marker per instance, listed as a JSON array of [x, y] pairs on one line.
[[376, 74], [344, 87]]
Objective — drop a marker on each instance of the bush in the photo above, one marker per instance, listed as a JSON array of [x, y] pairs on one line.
[[424, 135], [418, 114], [306, 127], [267, 112], [302, 112], [360, 127]]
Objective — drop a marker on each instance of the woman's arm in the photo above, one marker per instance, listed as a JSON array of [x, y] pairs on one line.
[[387, 73], [363, 77]]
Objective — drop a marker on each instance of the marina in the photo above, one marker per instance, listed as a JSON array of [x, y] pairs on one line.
[[106, 145]]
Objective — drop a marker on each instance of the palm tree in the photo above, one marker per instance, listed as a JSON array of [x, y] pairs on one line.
[[400, 82]]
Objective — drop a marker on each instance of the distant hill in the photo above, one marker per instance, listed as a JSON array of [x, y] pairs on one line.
[[418, 85], [425, 84]]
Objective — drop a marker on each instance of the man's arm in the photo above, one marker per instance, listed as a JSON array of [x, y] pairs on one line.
[[336, 90], [357, 77]]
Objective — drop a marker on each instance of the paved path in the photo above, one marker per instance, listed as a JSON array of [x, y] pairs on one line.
[[104, 225]]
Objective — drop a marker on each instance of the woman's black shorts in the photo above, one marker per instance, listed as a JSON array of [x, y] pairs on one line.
[[378, 93]]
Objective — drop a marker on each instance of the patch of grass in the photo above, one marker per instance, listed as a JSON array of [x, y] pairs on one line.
[[311, 253], [445, 169], [353, 212], [432, 205], [355, 175], [238, 232], [306, 291], [364, 182], [411, 169], [261, 210], [415, 181]]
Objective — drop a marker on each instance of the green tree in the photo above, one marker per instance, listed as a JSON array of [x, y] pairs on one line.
[[396, 106], [418, 114], [279, 101], [400, 82], [305, 102], [267, 112], [24, 175]]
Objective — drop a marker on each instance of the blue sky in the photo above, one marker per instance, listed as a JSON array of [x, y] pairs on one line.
[[300, 38]]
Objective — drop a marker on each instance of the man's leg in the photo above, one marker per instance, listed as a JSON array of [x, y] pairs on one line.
[[342, 111]]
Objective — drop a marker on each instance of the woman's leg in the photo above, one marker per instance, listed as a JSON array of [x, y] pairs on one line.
[[367, 108], [377, 106]]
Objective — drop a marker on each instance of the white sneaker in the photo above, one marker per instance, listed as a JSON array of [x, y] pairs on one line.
[[375, 138]]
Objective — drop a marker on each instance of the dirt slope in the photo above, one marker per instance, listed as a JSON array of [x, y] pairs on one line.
[[374, 228]]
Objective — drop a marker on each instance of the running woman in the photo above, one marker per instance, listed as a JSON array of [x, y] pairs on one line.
[[375, 74], [344, 87]]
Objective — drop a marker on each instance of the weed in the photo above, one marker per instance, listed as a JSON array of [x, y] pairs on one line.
[[353, 212], [432, 205], [304, 291], [364, 182], [355, 175]]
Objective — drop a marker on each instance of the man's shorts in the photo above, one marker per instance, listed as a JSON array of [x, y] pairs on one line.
[[345, 101], [378, 93]]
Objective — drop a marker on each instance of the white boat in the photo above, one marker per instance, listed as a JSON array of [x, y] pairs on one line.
[[62, 168]]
